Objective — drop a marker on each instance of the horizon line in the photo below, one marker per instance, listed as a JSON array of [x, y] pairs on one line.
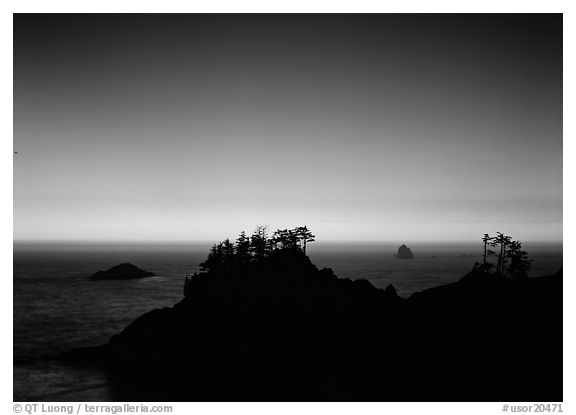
[[212, 241]]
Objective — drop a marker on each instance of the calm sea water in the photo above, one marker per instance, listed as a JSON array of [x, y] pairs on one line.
[[57, 308]]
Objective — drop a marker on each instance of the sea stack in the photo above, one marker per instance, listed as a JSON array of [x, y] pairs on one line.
[[405, 253], [124, 271]]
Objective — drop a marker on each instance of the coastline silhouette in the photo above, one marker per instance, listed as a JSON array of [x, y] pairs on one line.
[[267, 325]]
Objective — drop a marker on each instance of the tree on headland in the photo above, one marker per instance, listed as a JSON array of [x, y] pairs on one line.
[[228, 253], [508, 249], [259, 243], [293, 239], [286, 239], [256, 247], [519, 262], [276, 240], [243, 248], [305, 236], [221, 256], [501, 241], [487, 239], [214, 259]]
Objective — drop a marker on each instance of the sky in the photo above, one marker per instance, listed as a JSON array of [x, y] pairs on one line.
[[362, 127]]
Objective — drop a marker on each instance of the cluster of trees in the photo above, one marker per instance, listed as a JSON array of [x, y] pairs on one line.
[[512, 261], [255, 247]]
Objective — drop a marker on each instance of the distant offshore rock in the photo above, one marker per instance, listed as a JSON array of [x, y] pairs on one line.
[[405, 253], [124, 271]]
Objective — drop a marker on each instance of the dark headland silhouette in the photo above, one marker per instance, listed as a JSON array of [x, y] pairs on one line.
[[262, 323], [404, 253], [123, 271]]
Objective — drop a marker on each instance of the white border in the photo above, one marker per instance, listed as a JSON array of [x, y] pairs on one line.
[[339, 6]]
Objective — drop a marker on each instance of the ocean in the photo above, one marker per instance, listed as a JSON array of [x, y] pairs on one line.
[[58, 308]]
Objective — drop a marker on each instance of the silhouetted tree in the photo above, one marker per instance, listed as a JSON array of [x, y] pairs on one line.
[[276, 240], [285, 238], [228, 254], [214, 259], [305, 236], [519, 262], [243, 248], [486, 238], [292, 239], [259, 243], [502, 241], [486, 266], [508, 249], [221, 256]]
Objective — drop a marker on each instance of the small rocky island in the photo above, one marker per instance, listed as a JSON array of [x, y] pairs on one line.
[[125, 271], [404, 253]]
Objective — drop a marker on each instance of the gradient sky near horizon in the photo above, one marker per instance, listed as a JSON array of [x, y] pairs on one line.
[[363, 127]]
